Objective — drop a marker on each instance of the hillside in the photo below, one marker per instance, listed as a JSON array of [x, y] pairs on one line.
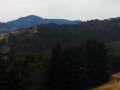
[[60, 57], [112, 84], [41, 38], [31, 20]]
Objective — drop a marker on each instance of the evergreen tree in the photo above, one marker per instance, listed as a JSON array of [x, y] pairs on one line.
[[78, 68], [54, 74]]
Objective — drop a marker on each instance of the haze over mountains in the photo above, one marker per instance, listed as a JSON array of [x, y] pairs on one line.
[[29, 21]]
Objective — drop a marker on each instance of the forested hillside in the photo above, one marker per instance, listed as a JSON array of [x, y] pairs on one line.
[[42, 38], [82, 67], [60, 57]]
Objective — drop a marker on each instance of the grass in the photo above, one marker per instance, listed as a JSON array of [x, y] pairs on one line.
[[112, 84]]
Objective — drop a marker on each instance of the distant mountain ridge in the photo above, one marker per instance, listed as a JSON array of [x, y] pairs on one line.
[[31, 20]]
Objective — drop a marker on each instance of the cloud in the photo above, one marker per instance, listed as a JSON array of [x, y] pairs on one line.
[[68, 9]]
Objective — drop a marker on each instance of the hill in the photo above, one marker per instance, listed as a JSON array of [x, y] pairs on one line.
[[74, 59], [41, 38], [31, 20]]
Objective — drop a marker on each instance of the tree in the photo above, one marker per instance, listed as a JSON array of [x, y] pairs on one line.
[[96, 61], [114, 64], [29, 71], [54, 68], [80, 67]]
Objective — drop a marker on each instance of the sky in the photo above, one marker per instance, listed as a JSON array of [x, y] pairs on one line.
[[60, 9]]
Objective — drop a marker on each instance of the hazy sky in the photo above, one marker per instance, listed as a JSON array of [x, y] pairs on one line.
[[61, 9]]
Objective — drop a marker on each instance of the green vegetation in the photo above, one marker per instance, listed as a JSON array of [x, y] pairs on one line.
[[78, 68], [23, 73], [60, 57], [81, 67], [47, 35]]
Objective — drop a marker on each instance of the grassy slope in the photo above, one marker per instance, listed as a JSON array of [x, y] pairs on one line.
[[112, 84]]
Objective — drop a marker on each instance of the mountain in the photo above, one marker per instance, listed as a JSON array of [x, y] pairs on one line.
[[31, 20], [41, 38], [4, 27]]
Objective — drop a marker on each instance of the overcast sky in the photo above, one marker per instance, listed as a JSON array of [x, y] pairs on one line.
[[61, 9]]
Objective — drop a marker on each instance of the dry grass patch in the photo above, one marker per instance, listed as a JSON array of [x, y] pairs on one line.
[[112, 84]]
